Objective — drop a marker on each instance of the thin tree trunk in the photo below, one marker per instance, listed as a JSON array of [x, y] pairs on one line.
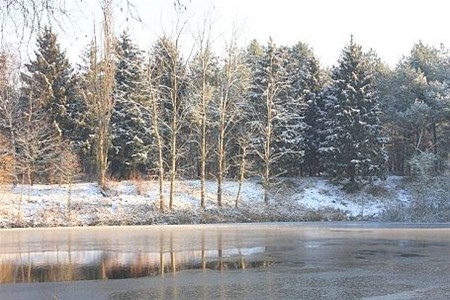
[[174, 130], [221, 163], [203, 151], [14, 155], [435, 138], [102, 156], [267, 148], [30, 181], [161, 182], [155, 120], [173, 162], [160, 168], [241, 174], [203, 163], [104, 101], [221, 153]]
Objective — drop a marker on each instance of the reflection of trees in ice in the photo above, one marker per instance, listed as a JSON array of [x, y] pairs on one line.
[[70, 265]]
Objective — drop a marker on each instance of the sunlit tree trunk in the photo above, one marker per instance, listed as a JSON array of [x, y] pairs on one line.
[[100, 100], [178, 111], [160, 165], [156, 116], [173, 146], [203, 91], [267, 155], [243, 144], [167, 71], [231, 102]]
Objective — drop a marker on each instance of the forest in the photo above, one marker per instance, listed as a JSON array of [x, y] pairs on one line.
[[258, 110]]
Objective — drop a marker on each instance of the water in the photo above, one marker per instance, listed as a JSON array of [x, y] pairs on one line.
[[255, 261]]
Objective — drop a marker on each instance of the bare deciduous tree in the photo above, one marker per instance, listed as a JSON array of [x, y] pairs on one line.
[[169, 76], [156, 111], [233, 87], [9, 109], [100, 84], [22, 16], [204, 77]]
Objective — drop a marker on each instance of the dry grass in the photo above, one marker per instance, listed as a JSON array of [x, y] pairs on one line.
[[142, 185]]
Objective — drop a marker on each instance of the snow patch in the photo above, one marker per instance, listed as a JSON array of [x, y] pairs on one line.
[[137, 202]]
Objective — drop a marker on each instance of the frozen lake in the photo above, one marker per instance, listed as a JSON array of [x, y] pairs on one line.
[[243, 261]]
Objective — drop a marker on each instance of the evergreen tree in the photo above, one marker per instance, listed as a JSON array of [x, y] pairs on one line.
[[49, 83], [415, 100], [86, 79], [306, 82], [130, 121], [403, 115], [353, 145], [434, 65], [289, 127], [47, 122]]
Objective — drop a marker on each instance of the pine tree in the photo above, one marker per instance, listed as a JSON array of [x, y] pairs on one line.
[[288, 124], [46, 122], [415, 101], [48, 82], [130, 121], [304, 102], [307, 83], [434, 65], [402, 117], [353, 145]]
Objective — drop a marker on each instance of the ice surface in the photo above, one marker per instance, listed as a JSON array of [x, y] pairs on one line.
[[244, 261]]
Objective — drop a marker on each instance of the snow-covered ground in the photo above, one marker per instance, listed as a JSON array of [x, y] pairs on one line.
[[137, 202]]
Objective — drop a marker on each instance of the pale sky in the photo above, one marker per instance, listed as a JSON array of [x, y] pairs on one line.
[[390, 27]]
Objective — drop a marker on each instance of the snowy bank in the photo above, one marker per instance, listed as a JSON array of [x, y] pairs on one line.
[[137, 203]]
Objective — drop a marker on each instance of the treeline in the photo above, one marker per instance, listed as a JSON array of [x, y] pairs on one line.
[[261, 110]]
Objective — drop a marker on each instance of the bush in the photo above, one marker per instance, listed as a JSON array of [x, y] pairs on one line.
[[424, 165], [351, 187], [430, 190]]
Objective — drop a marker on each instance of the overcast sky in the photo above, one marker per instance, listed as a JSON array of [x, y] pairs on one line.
[[390, 27]]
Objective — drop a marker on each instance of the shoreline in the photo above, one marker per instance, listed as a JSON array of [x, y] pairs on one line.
[[137, 203]]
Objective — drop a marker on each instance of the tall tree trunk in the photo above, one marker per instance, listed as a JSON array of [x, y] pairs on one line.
[[203, 151], [102, 155], [14, 155], [104, 99], [203, 163], [203, 88], [156, 115], [268, 147], [160, 164], [221, 162], [242, 167], [173, 160], [161, 179], [174, 130]]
